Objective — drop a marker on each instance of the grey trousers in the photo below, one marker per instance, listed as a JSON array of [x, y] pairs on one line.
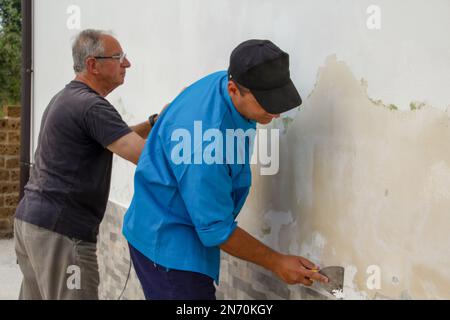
[[55, 267]]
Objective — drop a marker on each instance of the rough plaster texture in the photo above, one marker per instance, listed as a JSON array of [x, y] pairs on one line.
[[361, 185]]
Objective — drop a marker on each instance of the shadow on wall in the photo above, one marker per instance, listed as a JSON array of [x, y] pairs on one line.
[[364, 186]]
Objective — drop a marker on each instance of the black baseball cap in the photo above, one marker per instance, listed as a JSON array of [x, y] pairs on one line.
[[263, 68]]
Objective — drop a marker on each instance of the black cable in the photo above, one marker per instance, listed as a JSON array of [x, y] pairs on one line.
[[126, 281]]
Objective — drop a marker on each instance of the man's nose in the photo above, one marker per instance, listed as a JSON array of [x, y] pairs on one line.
[[126, 63]]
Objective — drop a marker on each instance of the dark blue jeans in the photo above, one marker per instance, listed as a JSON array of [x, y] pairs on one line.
[[160, 283]]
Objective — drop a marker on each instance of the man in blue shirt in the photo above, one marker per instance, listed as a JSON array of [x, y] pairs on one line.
[[192, 179]]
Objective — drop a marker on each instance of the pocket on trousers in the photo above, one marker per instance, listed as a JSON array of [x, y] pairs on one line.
[[86, 258]]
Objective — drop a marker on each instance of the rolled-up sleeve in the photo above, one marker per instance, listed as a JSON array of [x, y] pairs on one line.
[[207, 193]]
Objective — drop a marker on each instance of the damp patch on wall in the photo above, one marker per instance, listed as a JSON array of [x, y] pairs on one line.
[[366, 186]]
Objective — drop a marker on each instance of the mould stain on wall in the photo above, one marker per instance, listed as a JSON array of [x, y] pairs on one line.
[[361, 184]]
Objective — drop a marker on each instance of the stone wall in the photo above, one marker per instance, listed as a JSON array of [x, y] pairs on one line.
[[9, 167]]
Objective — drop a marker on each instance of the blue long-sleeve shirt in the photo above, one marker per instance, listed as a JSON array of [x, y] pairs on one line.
[[188, 191]]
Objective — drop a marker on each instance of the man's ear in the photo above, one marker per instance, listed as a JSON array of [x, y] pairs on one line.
[[91, 66], [232, 89]]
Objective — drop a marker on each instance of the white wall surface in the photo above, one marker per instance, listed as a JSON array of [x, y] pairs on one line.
[[173, 43], [346, 192]]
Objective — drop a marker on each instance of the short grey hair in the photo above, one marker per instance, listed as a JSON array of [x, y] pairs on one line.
[[88, 43]]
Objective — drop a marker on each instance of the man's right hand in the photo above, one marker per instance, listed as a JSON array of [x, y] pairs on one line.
[[295, 269], [290, 269]]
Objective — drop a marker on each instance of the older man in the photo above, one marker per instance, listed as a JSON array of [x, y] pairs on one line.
[[58, 219]]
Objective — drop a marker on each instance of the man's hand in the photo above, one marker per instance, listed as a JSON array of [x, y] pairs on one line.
[[294, 269], [290, 269]]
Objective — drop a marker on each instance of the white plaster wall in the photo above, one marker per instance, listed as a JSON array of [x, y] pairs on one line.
[[173, 43], [363, 187]]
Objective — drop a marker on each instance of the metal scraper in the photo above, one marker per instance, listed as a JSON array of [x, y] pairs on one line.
[[335, 285]]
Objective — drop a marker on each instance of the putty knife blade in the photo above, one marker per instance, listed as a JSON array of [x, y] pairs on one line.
[[335, 276]]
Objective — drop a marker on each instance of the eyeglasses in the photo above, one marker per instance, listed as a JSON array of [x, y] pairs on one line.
[[121, 57]]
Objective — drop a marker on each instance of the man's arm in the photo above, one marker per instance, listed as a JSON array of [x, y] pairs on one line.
[[128, 147], [142, 129], [291, 269]]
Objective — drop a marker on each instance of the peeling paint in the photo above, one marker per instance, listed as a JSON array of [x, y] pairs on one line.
[[313, 248], [351, 290], [363, 186], [274, 221], [282, 124]]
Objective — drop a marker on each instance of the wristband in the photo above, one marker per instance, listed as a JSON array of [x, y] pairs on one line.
[[152, 119]]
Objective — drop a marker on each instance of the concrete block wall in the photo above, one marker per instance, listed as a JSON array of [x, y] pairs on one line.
[[9, 168], [238, 279], [114, 259]]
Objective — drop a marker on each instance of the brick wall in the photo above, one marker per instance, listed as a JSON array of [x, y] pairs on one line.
[[9, 167]]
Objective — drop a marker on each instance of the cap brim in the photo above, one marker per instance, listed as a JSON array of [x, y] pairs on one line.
[[278, 100]]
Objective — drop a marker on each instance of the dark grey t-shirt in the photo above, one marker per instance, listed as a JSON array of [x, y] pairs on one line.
[[69, 184]]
